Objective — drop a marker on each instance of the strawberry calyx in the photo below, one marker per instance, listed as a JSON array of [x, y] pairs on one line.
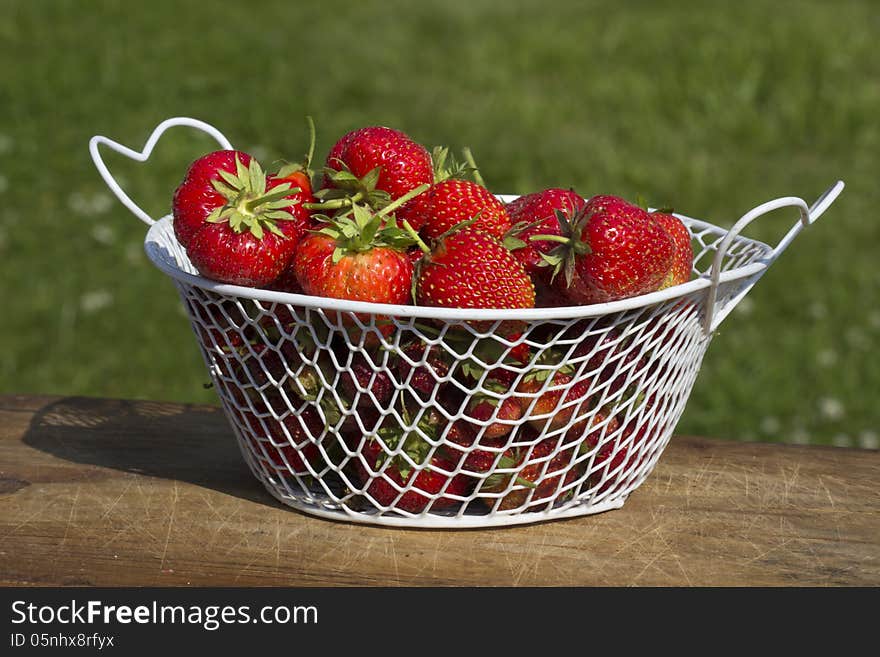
[[248, 206], [411, 439], [571, 247], [642, 203], [508, 461], [447, 166], [360, 228]]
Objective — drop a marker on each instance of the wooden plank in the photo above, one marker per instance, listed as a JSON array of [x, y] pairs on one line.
[[103, 492]]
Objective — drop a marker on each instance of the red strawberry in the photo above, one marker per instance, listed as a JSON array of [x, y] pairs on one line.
[[612, 358], [449, 202], [360, 256], [403, 163], [374, 385], [477, 461], [551, 405], [428, 484], [421, 367], [495, 417], [236, 224], [614, 250], [536, 214], [472, 269], [683, 260], [615, 458], [540, 475], [290, 442]]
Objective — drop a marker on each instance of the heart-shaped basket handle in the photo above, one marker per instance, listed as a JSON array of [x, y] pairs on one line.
[[143, 155]]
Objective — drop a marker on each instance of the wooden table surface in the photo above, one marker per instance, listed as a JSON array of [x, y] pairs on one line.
[[106, 492]]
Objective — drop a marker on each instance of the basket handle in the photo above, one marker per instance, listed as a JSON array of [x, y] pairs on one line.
[[143, 156], [808, 215]]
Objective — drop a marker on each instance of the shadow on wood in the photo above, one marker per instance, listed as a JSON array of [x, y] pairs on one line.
[[193, 444]]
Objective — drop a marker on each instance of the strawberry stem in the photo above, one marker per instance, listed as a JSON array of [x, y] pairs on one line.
[[335, 204], [469, 158], [416, 237], [550, 238], [403, 199], [311, 153]]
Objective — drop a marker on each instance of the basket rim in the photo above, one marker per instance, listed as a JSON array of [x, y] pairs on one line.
[[161, 231]]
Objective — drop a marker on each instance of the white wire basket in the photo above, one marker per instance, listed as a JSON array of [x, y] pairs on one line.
[[363, 412]]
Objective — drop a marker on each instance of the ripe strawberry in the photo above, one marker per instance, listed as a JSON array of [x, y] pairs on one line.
[[288, 443], [403, 163], [472, 269], [363, 381], [236, 224], [475, 460], [422, 367], [360, 256], [495, 418], [428, 484], [537, 214], [615, 458], [449, 202], [683, 260], [550, 400], [612, 359], [612, 250], [541, 473]]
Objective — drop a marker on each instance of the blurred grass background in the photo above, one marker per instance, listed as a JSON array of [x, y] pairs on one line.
[[710, 107]]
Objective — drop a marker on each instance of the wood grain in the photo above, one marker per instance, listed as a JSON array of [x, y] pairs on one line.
[[104, 492]]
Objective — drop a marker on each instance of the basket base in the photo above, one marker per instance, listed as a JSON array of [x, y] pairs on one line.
[[463, 521]]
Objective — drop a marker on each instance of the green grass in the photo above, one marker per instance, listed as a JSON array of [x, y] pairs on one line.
[[710, 107]]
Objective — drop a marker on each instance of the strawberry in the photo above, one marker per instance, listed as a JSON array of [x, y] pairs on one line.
[[367, 383], [683, 259], [422, 367], [358, 255], [615, 458], [469, 268], [613, 359], [429, 483], [289, 443], [452, 201], [495, 418], [236, 224], [550, 400], [403, 163], [537, 214], [612, 250], [540, 473], [474, 458]]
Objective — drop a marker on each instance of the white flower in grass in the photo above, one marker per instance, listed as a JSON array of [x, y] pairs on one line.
[[745, 307], [817, 310], [874, 319], [800, 436], [134, 253], [259, 152], [770, 425], [95, 300], [831, 408], [857, 337], [90, 204], [869, 439], [841, 440], [103, 234], [826, 357]]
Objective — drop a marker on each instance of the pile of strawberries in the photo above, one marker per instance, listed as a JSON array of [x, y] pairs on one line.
[[386, 221]]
